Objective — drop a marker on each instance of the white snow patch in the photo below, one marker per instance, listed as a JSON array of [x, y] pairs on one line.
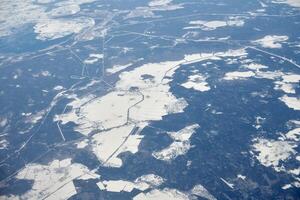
[[117, 68], [173, 194], [296, 171], [17, 13], [201, 191], [287, 186], [163, 5], [141, 95], [197, 82], [93, 58], [58, 87], [238, 75], [52, 181], [3, 144], [294, 3], [150, 99], [291, 78], [159, 2], [100, 113], [288, 83], [120, 185], [271, 152], [285, 87], [54, 28], [291, 102], [271, 41], [212, 25], [64, 10], [151, 179], [180, 146], [107, 145], [255, 66], [96, 55], [206, 25], [272, 75], [165, 194], [241, 176], [293, 134], [82, 144], [3, 121], [259, 121], [142, 183]]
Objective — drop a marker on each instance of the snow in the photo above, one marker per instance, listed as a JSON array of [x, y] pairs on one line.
[[180, 146], [293, 134], [3, 143], [150, 100], [202, 192], [158, 102], [255, 66], [140, 96], [142, 183], [82, 144], [118, 186], [52, 181], [285, 87], [109, 144], [100, 113], [64, 10], [93, 58], [173, 194], [213, 25], [151, 179], [271, 152], [271, 41], [163, 5], [294, 3], [165, 194], [159, 2], [287, 186], [55, 28], [47, 23], [196, 82], [58, 87], [206, 25], [117, 68], [278, 153], [291, 78], [291, 102], [238, 75], [241, 176]]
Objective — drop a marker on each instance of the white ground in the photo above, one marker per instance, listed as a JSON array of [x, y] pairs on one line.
[[271, 41], [197, 82], [276, 153], [294, 3], [291, 102], [117, 68], [54, 29], [93, 58], [142, 183], [52, 181], [271, 152], [212, 25], [173, 194], [180, 146], [238, 75], [115, 114], [108, 145]]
